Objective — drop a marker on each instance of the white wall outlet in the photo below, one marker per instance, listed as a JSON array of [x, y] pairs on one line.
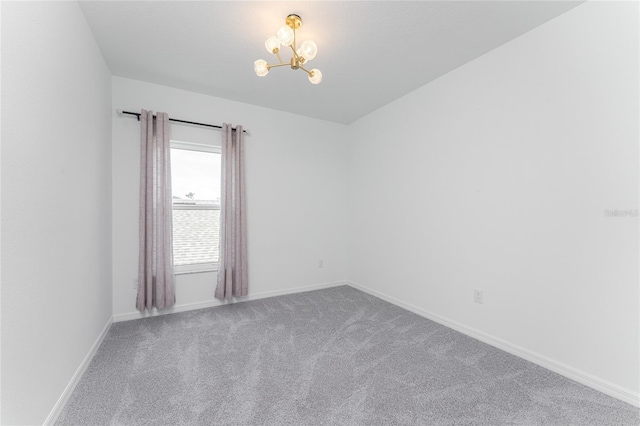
[[134, 283], [320, 264], [478, 295]]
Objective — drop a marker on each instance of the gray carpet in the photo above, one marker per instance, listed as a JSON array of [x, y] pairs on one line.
[[332, 357]]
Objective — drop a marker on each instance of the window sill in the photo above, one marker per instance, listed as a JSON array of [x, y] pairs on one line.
[[195, 268]]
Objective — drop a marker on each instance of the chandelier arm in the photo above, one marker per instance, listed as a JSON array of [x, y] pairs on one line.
[[277, 65], [279, 58], [305, 70], [295, 54], [299, 59]]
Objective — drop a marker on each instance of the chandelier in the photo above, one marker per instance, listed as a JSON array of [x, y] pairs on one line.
[[286, 36]]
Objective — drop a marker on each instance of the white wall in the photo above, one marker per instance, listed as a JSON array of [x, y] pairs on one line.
[[56, 203], [296, 193], [496, 176]]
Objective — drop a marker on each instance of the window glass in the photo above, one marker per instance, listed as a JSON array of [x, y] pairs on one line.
[[195, 184]]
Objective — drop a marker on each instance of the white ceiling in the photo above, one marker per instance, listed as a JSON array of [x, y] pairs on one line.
[[370, 52]]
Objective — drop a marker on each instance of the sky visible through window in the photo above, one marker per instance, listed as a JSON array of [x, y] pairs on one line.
[[195, 172]]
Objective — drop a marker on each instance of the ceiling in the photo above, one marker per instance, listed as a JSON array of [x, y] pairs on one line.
[[370, 52]]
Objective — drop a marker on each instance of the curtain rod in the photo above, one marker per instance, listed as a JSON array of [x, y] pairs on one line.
[[137, 114]]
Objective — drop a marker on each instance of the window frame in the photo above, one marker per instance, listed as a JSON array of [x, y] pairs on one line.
[[194, 268]]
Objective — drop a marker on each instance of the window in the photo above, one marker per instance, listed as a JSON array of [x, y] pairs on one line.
[[195, 185]]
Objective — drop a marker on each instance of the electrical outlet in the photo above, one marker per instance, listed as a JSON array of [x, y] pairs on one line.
[[478, 295], [320, 263], [134, 283]]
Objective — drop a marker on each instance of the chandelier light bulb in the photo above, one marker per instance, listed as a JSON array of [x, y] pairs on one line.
[[261, 67], [285, 35], [308, 50], [315, 76], [272, 44]]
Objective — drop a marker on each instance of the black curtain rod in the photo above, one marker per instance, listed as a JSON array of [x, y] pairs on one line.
[[137, 114]]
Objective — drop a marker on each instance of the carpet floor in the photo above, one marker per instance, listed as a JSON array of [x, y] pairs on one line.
[[332, 357]]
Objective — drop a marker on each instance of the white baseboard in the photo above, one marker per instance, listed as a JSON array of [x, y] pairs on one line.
[[215, 302], [579, 376], [68, 390]]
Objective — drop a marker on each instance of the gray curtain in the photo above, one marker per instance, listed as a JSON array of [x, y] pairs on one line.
[[156, 287], [232, 272]]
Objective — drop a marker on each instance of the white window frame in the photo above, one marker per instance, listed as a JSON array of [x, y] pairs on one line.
[[194, 268]]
